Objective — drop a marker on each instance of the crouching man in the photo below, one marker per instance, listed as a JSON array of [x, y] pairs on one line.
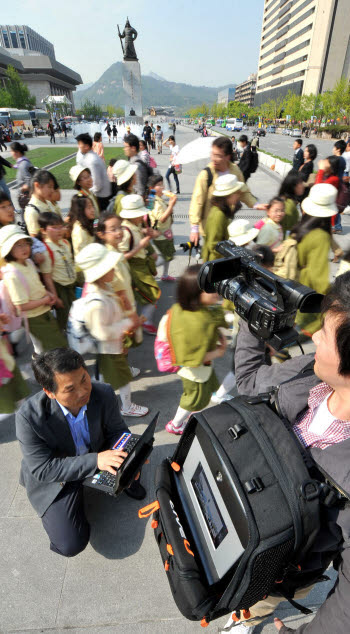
[[316, 402], [66, 432]]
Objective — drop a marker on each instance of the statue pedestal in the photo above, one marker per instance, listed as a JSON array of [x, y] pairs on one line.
[[132, 88]]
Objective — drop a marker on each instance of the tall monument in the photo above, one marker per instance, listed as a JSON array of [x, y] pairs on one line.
[[131, 75]]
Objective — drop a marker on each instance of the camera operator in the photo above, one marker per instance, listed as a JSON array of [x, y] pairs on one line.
[[316, 403]]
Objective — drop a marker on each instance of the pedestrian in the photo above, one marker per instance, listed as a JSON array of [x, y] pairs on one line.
[[298, 157], [61, 265], [81, 222], [2, 139], [111, 177], [161, 219], [115, 133], [313, 236], [64, 129], [147, 135], [125, 174], [134, 246], [101, 186], [97, 145], [144, 154], [105, 322], [24, 167], [346, 156], [174, 128], [271, 232], [131, 150], [338, 150], [42, 188], [173, 166], [193, 329], [27, 292], [307, 168], [82, 182], [51, 131], [159, 139], [223, 202], [3, 185], [108, 129], [245, 160], [291, 190], [221, 163], [153, 138]]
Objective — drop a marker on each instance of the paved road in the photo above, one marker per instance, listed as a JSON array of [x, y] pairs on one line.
[[117, 585]]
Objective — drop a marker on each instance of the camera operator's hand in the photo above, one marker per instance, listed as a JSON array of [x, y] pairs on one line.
[[111, 460]]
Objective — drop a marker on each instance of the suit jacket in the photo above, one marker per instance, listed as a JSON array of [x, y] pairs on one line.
[[245, 162], [49, 453], [298, 159]]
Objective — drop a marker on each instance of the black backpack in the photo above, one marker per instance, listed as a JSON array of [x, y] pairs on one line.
[[280, 499], [254, 161]]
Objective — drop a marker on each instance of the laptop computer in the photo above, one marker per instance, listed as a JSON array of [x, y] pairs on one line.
[[138, 449]]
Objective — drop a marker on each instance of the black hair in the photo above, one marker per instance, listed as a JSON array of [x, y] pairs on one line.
[[55, 182], [154, 179], [42, 177], [77, 213], [158, 126], [97, 137], [19, 147], [243, 138], [221, 203], [84, 138], [337, 302], [299, 141], [132, 140], [77, 186], [47, 218], [101, 225], [57, 360], [112, 162], [308, 223], [340, 145], [334, 164], [312, 149], [146, 122], [224, 144], [264, 254], [275, 199], [188, 290], [144, 143], [289, 184], [4, 197], [171, 138]]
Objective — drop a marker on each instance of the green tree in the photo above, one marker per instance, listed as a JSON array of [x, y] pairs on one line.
[[16, 94], [341, 99], [91, 109]]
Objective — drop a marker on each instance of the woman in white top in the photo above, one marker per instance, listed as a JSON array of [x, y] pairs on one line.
[[170, 142]]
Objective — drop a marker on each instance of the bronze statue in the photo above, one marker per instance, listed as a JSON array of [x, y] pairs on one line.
[[130, 35]]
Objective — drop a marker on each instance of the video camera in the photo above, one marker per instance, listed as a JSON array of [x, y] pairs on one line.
[[268, 303]]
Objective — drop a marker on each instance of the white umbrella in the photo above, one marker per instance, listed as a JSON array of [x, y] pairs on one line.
[[195, 151]]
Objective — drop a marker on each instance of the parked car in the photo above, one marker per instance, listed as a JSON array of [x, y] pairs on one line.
[[296, 132], [286, 131], [272, 129], [259, 132]]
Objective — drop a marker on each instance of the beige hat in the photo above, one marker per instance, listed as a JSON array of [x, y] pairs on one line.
[[133, 206], [123, 170], [240, 232], [75, 172], [321, 201], [226, 185], [95, 261], [9, 235]]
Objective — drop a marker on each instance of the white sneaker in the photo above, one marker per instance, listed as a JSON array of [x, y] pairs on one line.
[[221, 399], [237, 628], [135, 410], [134, 372]]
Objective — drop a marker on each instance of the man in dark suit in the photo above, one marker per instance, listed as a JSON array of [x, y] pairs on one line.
[[245, 157], [65, 433], [298, 158]]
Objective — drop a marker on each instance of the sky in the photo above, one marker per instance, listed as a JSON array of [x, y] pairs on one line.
[[197, 42]]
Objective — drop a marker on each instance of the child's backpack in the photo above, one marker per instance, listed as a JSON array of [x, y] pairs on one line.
[[260, 223], [246, 478], [152, 162], [254, 161], [79, 337], [286, 260], [162, 349]]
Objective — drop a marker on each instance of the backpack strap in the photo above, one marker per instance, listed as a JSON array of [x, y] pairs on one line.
[[51, 253], [210, 176], [171, 348], [34, 207], [131, 246]]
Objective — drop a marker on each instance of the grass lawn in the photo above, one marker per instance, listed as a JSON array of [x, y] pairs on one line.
[[62, 171], [41, 157]]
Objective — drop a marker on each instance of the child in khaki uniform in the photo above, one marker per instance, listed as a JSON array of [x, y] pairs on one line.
[[161, 218], [43, 185]]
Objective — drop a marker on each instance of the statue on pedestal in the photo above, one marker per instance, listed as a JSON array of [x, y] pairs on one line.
[[129, 35]]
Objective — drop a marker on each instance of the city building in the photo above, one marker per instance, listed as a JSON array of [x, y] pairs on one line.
[[245, 92], [226, 95], [34, 59], [305, 47]]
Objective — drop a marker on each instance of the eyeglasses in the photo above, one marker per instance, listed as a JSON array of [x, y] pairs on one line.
[[115, 230], [6, 207]]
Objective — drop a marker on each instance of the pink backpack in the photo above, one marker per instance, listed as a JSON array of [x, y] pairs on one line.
[[4, 372], [259, 224], [162, 349], [152, 162]]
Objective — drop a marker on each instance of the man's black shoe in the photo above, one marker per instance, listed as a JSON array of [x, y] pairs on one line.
[[136, 491]]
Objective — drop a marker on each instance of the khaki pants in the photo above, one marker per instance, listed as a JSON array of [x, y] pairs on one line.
[[261, 610]]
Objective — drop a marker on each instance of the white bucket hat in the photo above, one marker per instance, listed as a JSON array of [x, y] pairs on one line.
[[123, 171], [240, 232], [75, 172], [95, 260], [133, 206], [226, 185], [321, 201], [9, 235]]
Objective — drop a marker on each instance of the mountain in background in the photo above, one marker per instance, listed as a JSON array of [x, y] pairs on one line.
[[155, 76], [84, 86], [155, 92]]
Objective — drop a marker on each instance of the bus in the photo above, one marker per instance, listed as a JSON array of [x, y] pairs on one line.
[[236, 125], [40, 118], [19, 119]]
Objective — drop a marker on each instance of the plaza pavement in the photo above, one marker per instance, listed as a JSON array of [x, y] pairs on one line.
[[118, 584]]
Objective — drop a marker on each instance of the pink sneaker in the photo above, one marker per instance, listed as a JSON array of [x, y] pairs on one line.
[[168, 278], [150, 329], [175, 430]]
